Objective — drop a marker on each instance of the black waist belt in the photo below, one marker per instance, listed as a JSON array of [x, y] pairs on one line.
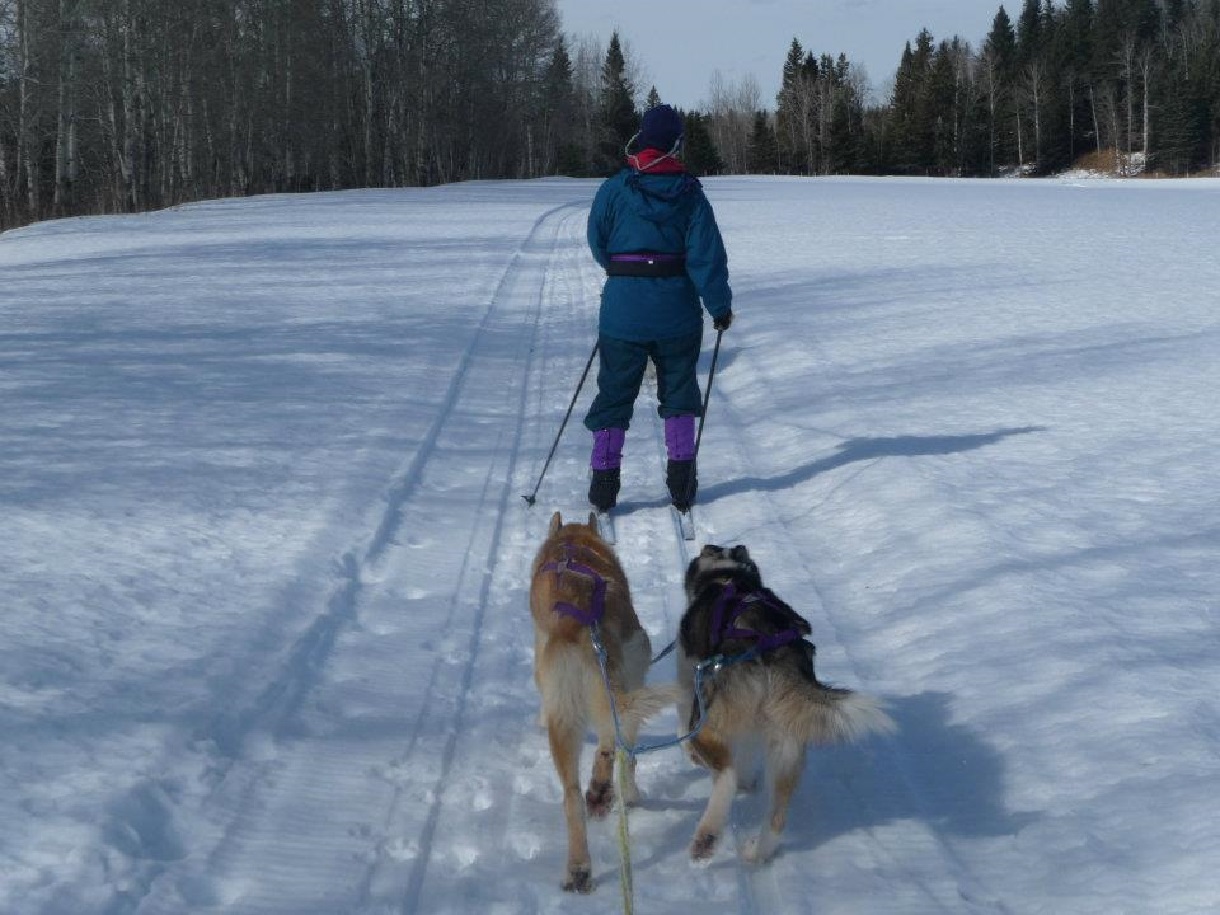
[[645, 264]]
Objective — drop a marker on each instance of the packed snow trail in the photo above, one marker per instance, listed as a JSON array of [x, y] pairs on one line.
[[264, 559]]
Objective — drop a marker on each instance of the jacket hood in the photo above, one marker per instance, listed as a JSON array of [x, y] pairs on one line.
[[656, 196]]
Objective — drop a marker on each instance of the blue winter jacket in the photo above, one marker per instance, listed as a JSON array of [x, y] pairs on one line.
[[664, 214]]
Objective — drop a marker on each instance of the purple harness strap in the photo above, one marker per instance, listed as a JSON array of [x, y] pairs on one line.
[[724, 623], [597, 609]]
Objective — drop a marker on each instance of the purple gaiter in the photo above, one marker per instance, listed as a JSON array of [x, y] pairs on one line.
[[607, 449], [680, 437]]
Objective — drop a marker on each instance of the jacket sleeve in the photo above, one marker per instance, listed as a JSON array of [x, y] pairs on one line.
[[598, 230], [707, 263]]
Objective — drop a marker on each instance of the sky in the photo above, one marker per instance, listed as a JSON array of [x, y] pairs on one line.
[[265, 646], [679, 44]]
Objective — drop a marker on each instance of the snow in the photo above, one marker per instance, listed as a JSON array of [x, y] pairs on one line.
[[263, 555]]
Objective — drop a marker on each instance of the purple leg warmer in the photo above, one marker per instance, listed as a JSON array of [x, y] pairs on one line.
[[607, 449], [680, 437]]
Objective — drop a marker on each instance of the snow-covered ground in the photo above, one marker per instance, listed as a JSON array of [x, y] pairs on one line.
[[263, 554]]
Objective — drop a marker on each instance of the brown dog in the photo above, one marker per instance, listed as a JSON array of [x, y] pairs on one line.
[[578, 587]]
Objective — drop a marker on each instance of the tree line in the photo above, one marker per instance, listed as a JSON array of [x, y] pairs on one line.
[[1136, 83], [128, 105]]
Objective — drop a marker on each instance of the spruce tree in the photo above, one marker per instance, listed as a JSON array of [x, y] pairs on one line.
[[1030, 33], [902, 107], [699, 151], [939, 112], [1001, 48], [563, 153], [763, 155], [842, 148], [619, 119], [789, 116], [1072, 55]]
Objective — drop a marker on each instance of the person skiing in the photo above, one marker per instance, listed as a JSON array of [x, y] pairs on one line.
[[653, 231]]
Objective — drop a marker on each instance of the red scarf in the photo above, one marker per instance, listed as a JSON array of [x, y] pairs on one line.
[[654, 162]]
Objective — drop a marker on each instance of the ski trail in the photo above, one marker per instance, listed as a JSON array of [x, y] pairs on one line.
[[495, 822], [493, 588], [949, 885], [288, 799], [729, 879], [493, 825]]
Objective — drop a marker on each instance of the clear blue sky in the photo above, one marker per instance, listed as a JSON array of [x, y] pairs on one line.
[[681, 42]]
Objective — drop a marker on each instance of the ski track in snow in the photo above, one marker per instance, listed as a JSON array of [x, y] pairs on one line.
[[949, 887], [264, 765], [444, 768], [267, 644]]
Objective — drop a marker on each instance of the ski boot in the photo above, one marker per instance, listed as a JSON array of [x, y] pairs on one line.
[[605, 460], [682, 482]]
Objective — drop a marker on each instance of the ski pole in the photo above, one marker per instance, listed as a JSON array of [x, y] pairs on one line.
[[711, 373], [532, 497]]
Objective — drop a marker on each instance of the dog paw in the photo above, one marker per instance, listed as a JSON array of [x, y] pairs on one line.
[[757, 849], [631, 795], [704, 846], [580, 880], [749, 851], [599, 799]]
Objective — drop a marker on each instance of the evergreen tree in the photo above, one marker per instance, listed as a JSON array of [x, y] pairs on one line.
[[791, 111], [842, 147], [1002, 41], [939, 110], [1072, 71], [1000, 49], [699, 151], [763, 156], [1030, 33], [618, 115], [562, 154], [654, 99], [914, 125]]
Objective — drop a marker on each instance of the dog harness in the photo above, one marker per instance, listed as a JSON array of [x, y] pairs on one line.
[[597, 607], [729, 607]]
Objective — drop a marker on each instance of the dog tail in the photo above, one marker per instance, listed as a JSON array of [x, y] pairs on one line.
[[648, 701], [574, 692], [844, 716], [567, 684]]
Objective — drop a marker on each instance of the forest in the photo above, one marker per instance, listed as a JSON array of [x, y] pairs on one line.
[[129, 105]]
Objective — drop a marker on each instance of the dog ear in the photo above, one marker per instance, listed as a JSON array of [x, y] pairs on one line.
[[709, 550], [556, 523], [741, 554]]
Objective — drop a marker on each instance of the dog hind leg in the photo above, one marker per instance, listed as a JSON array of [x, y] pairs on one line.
[[565, 743], [631, 730], [718, 757], [600, 796], [785, 763]]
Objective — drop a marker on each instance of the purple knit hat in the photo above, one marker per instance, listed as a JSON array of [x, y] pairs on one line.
[[661, 128]]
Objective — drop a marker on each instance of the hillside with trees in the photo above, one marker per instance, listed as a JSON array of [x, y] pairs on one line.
[[130, 105]]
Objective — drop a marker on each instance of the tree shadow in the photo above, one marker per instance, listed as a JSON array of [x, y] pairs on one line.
[[864, 449]]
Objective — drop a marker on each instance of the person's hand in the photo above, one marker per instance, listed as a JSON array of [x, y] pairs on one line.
[[724, 321]]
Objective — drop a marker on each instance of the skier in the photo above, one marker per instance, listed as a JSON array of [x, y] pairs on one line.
[[653, 231]]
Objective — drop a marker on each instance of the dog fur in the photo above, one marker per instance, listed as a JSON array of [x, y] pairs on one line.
[[570, 681], [773, 701]]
